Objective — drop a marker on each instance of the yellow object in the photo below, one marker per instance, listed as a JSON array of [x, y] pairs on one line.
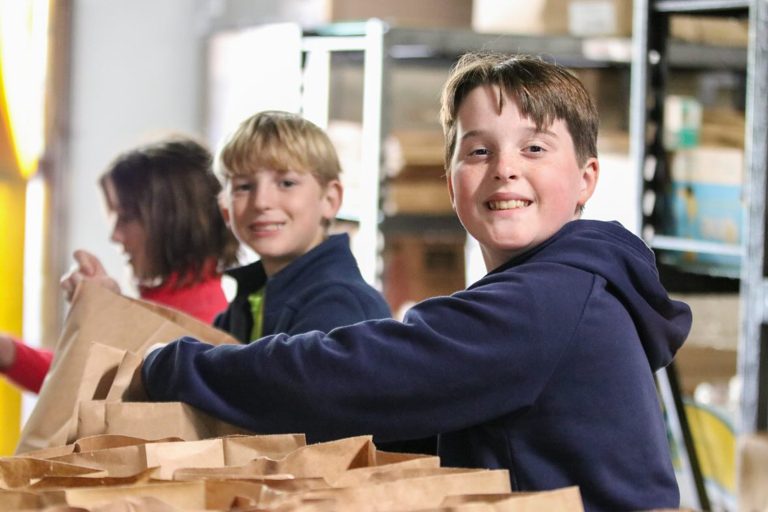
[[24, 59], [23, 68], [12, 197], [715, 444]]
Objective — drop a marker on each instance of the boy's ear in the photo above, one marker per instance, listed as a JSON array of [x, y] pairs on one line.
[[590, 172], [332, 198], [450, 188]]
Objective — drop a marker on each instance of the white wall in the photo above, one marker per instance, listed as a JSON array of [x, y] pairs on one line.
[[137, 68], [138, 72]]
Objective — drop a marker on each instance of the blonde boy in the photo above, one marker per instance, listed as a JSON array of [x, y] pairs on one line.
[[280, 175], [543, 367]]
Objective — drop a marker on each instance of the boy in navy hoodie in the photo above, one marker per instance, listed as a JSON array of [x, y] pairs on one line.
[[543, 367]]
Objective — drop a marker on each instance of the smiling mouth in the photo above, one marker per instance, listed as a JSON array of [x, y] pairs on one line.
[[507, 205]]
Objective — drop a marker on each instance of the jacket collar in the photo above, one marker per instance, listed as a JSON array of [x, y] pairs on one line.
[[251, 278]]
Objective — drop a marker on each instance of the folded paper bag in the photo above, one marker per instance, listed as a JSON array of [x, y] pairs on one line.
[[150, 420], [99, 315]]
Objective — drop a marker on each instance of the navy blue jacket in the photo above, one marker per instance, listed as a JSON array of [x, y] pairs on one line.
[[543, 367], [320, 290]]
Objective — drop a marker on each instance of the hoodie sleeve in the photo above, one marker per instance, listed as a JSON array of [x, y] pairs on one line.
[[454, 362]]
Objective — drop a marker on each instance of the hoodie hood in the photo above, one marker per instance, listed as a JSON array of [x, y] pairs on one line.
[[629, 266]]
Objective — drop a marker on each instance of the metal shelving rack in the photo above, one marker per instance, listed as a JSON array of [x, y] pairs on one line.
[[652, 57], [381, 47]]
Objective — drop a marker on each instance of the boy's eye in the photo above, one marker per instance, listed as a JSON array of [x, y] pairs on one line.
[[287, 183], [533, 148], [242, 186], [479, 152]]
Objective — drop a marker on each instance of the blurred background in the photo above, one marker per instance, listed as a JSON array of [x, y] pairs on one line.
[[82, 80]]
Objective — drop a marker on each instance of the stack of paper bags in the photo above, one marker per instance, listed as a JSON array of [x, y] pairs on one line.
[[266, 473]]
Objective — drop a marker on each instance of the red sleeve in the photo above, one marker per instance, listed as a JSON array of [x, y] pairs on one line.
[[30, 367]]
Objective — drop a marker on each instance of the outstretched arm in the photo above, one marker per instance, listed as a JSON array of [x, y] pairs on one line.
[[24, 365]]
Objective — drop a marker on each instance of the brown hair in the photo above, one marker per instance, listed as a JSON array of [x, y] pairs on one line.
[[170, 188], [543, 92], [281, 141]]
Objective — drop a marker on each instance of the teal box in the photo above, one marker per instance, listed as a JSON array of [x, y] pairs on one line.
[[707, 203]]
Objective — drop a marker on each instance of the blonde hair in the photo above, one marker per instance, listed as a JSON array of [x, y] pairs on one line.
[[542, 90], [281, 141]]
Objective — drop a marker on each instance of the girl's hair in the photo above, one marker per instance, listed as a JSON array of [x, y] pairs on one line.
[[170, 188], [543, 92], [281, 141]]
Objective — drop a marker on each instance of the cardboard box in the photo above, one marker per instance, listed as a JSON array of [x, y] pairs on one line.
[[536, 17], [732, 32], [600, 18], [706, 200], [682, 122], [418, 267], [421, 13], [418, 197], [554, 17]]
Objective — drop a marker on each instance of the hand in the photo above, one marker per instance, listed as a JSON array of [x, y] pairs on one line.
[[87, 266], [7, 351]]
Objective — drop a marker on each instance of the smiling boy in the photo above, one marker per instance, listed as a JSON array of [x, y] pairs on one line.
[[513, 181], [281, 191], [543, 367]]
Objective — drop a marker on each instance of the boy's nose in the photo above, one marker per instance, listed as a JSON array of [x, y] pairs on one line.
[[262, 198], [505, 169]]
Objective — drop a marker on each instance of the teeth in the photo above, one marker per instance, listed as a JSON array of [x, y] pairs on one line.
[[268, 227], [507, 205]]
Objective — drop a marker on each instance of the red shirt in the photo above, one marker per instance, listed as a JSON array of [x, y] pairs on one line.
[[203, 300]]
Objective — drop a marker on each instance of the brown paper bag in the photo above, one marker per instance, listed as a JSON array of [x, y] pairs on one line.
[[567, 499], [19, 472], [19, 500], [109, 441], [185, 495], [101, 316], [404, 494], [123, 456], [206, 459], [150, 420]]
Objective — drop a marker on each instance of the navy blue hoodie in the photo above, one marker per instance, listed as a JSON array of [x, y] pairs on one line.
[[319, 290], [543, 367]]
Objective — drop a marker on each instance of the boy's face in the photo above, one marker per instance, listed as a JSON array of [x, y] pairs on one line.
[[512, 186], [280, 215]]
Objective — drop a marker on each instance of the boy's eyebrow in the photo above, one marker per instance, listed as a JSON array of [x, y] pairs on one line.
[[543, 131], [532, 129], [471, 133]]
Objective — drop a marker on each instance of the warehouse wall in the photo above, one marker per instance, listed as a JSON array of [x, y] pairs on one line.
[[138, 73]]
